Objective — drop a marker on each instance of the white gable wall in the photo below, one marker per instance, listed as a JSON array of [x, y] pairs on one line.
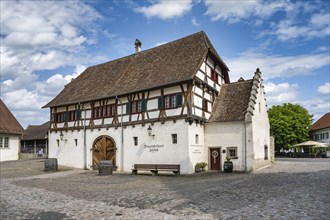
[[10, 153]]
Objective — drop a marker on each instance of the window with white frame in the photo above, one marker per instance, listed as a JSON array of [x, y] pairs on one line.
[[4, 142], [196, 139], [232, 152]]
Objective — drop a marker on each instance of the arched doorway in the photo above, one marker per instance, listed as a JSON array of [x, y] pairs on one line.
[[104, 148]]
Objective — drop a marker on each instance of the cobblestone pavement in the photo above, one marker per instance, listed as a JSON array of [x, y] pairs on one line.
[[290, 189]]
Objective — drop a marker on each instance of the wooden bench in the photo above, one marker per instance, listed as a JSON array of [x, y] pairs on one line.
[[154, 168]]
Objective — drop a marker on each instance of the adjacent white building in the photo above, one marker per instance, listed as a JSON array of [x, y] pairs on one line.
[[320, 130], [172, 104], [10, 134]]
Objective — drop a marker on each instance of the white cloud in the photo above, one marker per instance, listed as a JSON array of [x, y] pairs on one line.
[[166, 10], [280, 93], [25, 95], [194, 22], [324, 89], [274, 66], [317, 27], [234, 11], [316, 106]]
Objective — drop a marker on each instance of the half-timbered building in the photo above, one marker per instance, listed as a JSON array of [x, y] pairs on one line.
[[153, 106]]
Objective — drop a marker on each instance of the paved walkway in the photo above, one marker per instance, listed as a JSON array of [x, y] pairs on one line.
[[290, 189]]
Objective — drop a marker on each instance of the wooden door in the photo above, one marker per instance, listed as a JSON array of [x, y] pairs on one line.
[[104, 149], [215, 158]]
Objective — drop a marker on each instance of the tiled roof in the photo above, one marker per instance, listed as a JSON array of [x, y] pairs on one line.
[[323, 122], [8, 122], [232, 102], [36, 132], [170, 63]]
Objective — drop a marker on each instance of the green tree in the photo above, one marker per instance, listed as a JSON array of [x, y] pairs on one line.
[[289, 124]]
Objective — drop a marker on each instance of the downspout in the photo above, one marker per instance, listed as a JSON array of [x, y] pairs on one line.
[[245, 143], [85, 150], [122, 135]]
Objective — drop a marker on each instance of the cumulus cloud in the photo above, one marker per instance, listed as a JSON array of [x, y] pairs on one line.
[[233, 11], [166, 10], [280, 93], [324, 89], [194, 22], [25, 95], [316, 106], [317, 27], [274, 66]]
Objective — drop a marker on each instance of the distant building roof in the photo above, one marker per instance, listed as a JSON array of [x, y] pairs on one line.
[[323, 122], [232, 102], [36, 132], [167, 64], [8, 122]]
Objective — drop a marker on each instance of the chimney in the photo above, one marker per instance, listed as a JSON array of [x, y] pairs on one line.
[[137, 45]]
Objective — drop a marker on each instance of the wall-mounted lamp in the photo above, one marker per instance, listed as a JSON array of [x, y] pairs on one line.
[[62, 137], [150, 132]]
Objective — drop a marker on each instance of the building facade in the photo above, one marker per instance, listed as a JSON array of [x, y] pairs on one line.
[[34, 143], [320, 130], [10, 134], [156, 106]]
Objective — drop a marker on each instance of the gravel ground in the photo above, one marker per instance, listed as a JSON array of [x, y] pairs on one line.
[[290, 189]]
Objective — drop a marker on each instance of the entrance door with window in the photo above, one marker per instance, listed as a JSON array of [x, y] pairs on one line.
[[104, 149], [215, 159]]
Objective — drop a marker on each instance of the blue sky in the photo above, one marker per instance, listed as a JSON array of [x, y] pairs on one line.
[[44, 44]]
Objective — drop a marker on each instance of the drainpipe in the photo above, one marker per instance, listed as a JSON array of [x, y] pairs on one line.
[[85, 150], [245, 143], [122, 135]]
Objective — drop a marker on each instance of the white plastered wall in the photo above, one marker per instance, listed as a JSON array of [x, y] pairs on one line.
[[10, 153]]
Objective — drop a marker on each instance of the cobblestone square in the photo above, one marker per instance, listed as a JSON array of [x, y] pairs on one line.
[[293, 188]]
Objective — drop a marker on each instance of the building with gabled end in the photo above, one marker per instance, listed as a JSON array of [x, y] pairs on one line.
[[35, 141], [172, 104], [10, 134], [320, 130]]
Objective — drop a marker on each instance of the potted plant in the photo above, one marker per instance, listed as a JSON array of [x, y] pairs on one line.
[[199, 167]]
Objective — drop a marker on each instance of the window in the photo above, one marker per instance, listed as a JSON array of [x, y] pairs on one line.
[[4, 142], [205, 105], [135, 139], [174, 138], [76, 142], [57, 142], [72, 115], [232, 152], [170, 101], [136, 106], [266, 152], [196, 139], [167, 102], [104, 111], [214, 76], [327, 135]]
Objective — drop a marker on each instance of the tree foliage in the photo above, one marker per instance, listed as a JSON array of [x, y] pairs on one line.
[[289, 124]]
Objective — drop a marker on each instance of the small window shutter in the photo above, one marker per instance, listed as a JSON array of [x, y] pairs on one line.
[[128, 107], [143, 105], [203, 104], [179, 99], [160, 102], [55, 117], [78, 114], [65, 115]]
